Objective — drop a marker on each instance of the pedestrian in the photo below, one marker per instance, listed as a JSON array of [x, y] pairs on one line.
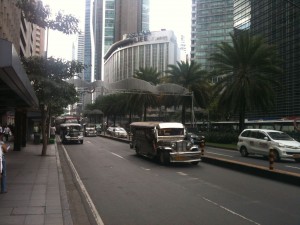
[[52, 131], [6, 132], [3, 150], [1, 132]]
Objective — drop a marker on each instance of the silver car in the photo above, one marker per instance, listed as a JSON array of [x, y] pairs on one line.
[[261, 141]]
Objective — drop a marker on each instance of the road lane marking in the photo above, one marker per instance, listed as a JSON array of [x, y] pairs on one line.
[[213, 153], [294, 167], [95, 213], [181, 173], [230, 211], [145, 168], [117, 155]]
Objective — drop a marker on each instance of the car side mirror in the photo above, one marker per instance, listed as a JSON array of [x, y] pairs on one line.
[[266, 138]]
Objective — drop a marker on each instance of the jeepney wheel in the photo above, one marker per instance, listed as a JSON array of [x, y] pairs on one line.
[[164, 158]]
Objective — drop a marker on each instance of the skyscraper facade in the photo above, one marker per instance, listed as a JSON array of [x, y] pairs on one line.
[[278, 22], [212, 21], [106, 21]]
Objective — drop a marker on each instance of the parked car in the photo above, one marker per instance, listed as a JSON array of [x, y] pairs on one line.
[[260, 141], [117, 132], [110, 130], [120, 132]]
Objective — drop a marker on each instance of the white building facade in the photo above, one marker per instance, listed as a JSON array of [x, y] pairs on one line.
[[156, 49]]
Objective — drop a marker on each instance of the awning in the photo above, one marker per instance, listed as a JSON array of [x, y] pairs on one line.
[[15, 88]]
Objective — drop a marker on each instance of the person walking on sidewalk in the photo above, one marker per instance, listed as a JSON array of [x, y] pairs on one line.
[[6, 132], [3, 150]]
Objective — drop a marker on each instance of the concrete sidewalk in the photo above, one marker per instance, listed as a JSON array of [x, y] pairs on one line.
[[36, 190]]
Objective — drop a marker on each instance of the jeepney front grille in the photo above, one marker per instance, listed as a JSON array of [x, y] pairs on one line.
[[181, 146], [74, 134]]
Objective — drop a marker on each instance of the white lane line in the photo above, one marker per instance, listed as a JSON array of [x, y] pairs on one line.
[[84, 191], [145, 168], [294, 167], [230, 211], [117, 155], [220, 154], [181, 173]]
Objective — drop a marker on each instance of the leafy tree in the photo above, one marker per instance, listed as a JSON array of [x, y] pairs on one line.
[[192, 77], [246, 70], [35, 12], [148, 74], [47, 76]]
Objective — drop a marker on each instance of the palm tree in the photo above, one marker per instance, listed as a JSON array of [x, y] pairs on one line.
[[192, 77], [247, 68], [148, 74], [145, 99]]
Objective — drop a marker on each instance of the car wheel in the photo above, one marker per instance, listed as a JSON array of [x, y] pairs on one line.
[[195, 163], [297, 160], [244, 151], [81, 142]]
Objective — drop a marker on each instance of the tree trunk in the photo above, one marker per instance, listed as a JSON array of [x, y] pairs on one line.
[[145, 112], [183, 114], [242, 119], [44, 130]]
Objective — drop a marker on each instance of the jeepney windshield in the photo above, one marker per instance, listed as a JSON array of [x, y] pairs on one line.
[[170, 131]]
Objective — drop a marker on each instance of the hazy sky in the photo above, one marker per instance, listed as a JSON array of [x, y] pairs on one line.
[[164, 14]]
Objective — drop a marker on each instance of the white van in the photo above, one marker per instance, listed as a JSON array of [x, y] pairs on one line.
[[260, 141]]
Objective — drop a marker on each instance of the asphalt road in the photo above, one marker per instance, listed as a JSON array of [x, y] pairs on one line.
[[131, 190]]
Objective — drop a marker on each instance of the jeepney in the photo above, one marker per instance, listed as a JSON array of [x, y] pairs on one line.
[[164, 141], [71, 132]]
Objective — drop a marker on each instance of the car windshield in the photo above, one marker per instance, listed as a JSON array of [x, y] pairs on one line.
[[280, 136]]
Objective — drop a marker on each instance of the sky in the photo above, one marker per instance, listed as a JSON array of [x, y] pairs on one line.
[[164, 14]]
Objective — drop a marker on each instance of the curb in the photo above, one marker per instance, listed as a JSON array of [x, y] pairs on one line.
[[67, 218]]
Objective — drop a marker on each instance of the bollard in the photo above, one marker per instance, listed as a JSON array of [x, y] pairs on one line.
[[271, 159], [202, 145]]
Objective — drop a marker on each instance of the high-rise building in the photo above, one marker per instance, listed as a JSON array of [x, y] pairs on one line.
[[278, 22], [106, 21], [28, 39], [212, 21], [151, 49]]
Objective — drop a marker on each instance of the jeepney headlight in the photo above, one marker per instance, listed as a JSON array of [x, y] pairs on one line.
[[189, 144], [173, 145]]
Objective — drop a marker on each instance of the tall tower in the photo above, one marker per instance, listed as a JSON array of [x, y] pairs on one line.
[[106, 21], [278, 22], [212, 21]]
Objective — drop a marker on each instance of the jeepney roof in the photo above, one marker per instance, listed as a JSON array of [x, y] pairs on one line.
[[160, 125]]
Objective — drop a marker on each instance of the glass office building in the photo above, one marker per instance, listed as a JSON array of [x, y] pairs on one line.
[[278, 21], [212, 21]]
